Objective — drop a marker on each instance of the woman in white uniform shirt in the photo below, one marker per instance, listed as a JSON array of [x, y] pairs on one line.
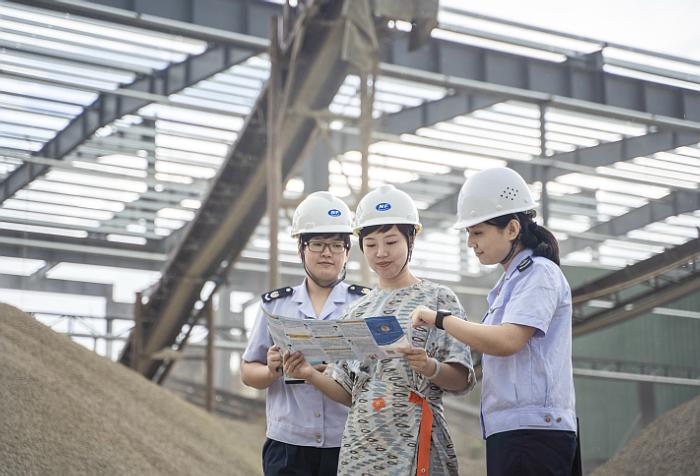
[[527, 398]]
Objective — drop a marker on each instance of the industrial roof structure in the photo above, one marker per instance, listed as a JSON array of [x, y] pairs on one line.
[[128, 130]]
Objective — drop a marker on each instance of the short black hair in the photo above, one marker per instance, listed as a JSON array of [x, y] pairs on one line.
[[407, 230]]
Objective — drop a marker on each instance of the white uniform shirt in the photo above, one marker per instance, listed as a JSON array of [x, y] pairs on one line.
[[533, 388], [300, 414]]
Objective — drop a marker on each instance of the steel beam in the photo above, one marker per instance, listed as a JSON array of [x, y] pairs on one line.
[[638, 305], [600, 155], [677, 202], [108, 107], [606, 154], [223, 23], [431, 112], [28, 283], [634, 377], [80, 250], [639, 272], [487, 71]]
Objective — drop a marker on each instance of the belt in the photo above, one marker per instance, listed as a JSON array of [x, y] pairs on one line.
[[424, 433]]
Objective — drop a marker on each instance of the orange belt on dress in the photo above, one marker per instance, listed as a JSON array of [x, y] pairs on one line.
[[426, 428]]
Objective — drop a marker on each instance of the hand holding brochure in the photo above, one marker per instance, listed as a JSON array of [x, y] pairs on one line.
[[372, 338]]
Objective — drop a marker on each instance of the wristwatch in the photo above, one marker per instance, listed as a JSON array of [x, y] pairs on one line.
[[441, 314]]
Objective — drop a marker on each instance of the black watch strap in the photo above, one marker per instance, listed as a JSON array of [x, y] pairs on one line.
[[441, 314]]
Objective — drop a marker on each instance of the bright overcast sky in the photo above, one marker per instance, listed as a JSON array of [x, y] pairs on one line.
[[669, 26]]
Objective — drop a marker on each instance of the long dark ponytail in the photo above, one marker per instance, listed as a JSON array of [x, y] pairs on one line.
[[533, 236]]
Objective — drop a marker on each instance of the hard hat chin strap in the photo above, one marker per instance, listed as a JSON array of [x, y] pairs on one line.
[[510, 254], [341, 276]]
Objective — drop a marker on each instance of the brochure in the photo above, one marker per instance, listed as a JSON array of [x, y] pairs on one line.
[[373, 338]]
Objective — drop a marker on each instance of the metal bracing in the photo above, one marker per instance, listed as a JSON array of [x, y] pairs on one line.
[[585, 160], [627, 309], [635, 377], [605, 154], [201, 19], [675, 203], [41, 284], [636, 367], [109, 107], [649, 272], [578, 78], [519, 77], [431, 112], [236, 201], [80, 250], [639, 272]]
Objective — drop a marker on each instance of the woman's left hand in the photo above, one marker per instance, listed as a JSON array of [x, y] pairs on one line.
[[418, 360]]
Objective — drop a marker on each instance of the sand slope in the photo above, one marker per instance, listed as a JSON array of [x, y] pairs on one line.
[[670, 445], [65, 410]]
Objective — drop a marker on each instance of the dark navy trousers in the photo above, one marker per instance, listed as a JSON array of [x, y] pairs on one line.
[[283, 459], [531, 453]]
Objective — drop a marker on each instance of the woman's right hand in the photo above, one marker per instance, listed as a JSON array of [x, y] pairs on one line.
[[274, 360], [296, 366], [422, 316]]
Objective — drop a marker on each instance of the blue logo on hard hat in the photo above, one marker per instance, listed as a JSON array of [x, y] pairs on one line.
[[334, 213], [382, 207]]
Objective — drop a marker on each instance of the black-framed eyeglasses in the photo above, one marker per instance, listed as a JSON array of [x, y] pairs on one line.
[[336, 247]]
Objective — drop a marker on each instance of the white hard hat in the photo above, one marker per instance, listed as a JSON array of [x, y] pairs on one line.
[[321, 212], [386, 205], [492, 193]]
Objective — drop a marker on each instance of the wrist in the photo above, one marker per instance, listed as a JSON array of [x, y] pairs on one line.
[[311, 374], [272, 375], [435, 372], [440, 316]]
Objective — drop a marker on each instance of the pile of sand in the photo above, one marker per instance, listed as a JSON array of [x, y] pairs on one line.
[[668, 445], [66, 410]]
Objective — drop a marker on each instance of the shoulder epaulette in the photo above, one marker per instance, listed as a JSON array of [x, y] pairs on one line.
[[358, 289], [276, 294], [524, 264]]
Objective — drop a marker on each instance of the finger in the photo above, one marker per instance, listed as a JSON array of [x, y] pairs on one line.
[[290, 359], [417, 322]]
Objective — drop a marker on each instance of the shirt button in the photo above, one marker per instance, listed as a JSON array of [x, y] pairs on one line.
[[318, 437], [558, 419], [317, 414], [548, 419]]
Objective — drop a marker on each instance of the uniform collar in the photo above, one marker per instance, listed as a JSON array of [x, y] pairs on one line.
[[301, 296], [513, 266]]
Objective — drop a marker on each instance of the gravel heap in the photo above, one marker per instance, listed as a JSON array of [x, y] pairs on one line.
[[65, 410], [670, 445]]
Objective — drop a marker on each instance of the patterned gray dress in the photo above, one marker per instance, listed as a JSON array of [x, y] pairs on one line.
[[381, 432]]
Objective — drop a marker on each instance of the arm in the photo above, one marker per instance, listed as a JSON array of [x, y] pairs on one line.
[[448, 376], [501, 340], [296, 366], [259, 375]]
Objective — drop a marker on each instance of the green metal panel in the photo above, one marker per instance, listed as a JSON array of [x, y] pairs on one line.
[[610, 411]]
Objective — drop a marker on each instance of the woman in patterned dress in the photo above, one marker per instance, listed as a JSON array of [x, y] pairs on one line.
[[396, 424]]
